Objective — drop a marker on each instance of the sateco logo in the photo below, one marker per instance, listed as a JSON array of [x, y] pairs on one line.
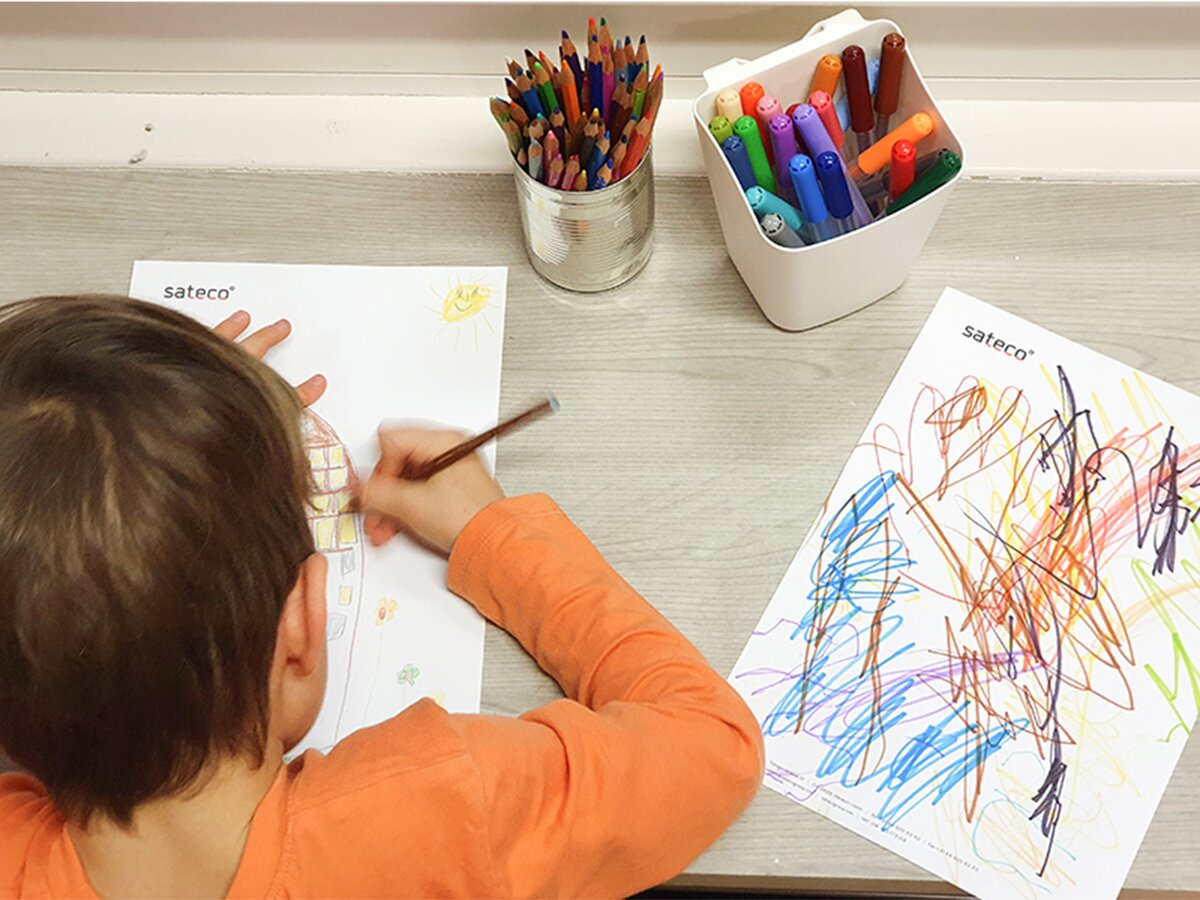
[[990, 340], [191, 292]]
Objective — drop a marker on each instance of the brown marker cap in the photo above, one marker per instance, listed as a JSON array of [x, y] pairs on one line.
[[887, 92], [858, 90]]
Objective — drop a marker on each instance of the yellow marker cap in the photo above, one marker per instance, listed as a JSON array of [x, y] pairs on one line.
[[879, 154]]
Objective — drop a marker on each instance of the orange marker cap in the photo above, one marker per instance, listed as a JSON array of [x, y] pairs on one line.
[[751, 93], [829, 70], [879, 154]]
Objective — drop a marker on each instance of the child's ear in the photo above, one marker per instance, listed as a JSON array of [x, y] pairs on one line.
[[302, 628]]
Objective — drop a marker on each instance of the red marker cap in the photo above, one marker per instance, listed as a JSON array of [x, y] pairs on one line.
[[891, 64], [904, 161], [858, 90]]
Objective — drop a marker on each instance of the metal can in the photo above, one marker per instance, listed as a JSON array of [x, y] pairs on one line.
[[588, 241]]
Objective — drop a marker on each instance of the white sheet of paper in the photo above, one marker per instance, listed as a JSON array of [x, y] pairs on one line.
[[985, 656], [395, 343]]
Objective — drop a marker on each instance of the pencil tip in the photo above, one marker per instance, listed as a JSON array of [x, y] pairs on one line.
[[603, 21], [554, 404], [566, 37], [643, 40]]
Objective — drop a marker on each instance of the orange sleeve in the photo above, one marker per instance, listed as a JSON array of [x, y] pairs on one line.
[[652, 756]]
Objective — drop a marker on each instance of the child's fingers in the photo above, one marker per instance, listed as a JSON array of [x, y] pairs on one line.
[[265, 338], [400, 446], [234, 325], [312, 389]]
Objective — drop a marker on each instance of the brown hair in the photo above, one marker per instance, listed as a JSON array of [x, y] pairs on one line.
[[152, 523]]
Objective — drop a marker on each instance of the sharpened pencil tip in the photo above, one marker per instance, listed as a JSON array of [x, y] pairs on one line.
[[553, 403]]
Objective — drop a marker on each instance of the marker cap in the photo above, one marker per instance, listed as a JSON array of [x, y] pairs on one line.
[[812, 130], [858, 88], [729, 104], [891, 64], [915, 128], [823, 104], [751, 93], [721, 128], [900, 175], [768, 108], [837, 194], [825, 78], [804, 180]]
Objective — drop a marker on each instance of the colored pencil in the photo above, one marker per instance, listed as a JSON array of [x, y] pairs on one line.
[[585, 122], [426, 470]]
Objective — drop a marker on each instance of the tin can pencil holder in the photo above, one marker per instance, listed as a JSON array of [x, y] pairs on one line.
[[588, 241], [801, 287]]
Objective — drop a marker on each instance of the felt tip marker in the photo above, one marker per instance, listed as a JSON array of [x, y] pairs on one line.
[[783, 142], [721, 128], [947, 166], [903, 168], [751, 93], [734, 149], [763, 202], [887, 94], [746, 128], [915, 128], [777, 230], [858, 90], [837, 194], [729, 105], [812, 203]]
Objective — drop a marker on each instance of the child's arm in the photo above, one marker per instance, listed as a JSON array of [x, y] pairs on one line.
[[654, 755]]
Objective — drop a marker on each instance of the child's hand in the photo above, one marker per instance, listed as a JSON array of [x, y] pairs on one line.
[[435, 510], [263, 340]]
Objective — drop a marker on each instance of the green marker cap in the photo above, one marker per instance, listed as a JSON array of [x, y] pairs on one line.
[[747, 129], [721, 128], [945, 167]]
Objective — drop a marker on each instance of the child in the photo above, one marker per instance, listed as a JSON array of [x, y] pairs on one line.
[[162, 645]]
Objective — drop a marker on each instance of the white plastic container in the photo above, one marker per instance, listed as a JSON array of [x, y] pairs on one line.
[[799, 288]]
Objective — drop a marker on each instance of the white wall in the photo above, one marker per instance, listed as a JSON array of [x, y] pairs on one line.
[[1070, 90]]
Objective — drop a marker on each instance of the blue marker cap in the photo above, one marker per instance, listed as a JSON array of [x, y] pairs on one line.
[[734, 149], [812, 130], [837, 195], [804, 181]]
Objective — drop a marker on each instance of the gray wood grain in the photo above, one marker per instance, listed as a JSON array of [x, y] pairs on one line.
[[695, 441]]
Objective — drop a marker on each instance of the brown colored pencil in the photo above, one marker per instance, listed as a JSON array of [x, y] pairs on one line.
[[517, 111], [513, 69], [605, 37], [575, 135], [425, 470], [580, 182], [537, 129], [618, 156]]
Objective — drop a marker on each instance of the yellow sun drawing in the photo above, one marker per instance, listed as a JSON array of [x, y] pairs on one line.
[[462, 301]]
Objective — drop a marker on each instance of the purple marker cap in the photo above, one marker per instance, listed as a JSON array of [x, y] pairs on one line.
[[833, 182], [812, 131], [783, 137]]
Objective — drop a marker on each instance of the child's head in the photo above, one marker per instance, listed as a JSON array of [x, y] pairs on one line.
[[157, 572]]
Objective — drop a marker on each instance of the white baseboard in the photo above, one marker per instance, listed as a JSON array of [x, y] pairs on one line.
[[1003, 137]]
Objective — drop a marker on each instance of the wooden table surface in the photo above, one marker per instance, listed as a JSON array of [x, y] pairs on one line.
[[695, 440]]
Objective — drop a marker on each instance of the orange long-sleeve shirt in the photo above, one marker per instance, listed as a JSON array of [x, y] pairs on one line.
[[610, 791]]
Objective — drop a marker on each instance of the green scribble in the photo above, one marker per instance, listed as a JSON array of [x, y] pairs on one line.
[[408, 675], [1181, 659]]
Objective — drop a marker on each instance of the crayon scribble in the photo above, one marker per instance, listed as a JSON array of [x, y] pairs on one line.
[[1026, 516]]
